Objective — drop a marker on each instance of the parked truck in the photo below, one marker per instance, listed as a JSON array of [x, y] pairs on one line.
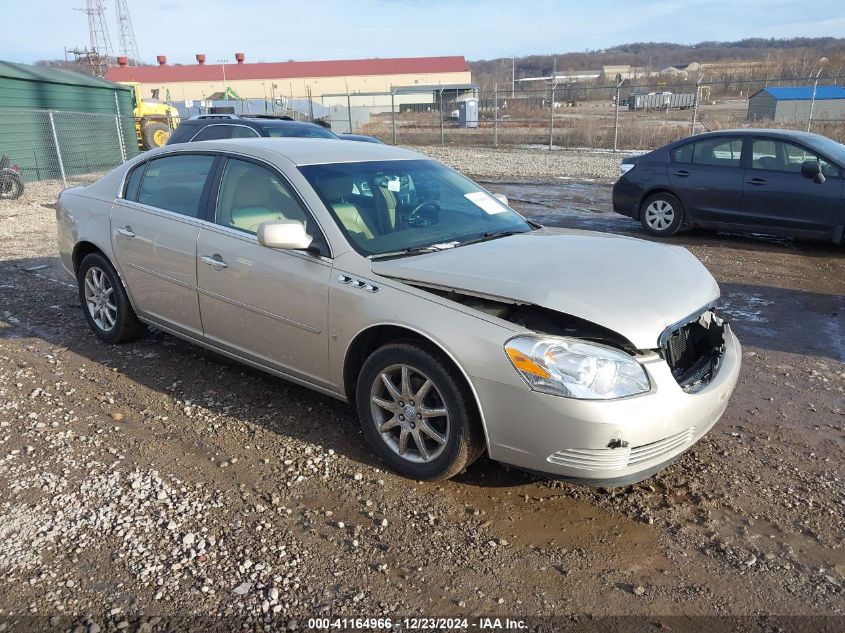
[[154, 120]]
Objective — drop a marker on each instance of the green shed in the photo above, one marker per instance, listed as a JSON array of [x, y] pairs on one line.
[[59, 124]]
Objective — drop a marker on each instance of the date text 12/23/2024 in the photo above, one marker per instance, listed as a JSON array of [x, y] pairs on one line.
[[417, 624]]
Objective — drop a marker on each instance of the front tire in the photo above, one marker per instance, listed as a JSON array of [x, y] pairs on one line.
[[417, 413], [662, 215], [105, 303], [155, 134]]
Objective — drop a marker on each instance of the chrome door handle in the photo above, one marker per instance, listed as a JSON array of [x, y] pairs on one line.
[[215, 261], [127, 231], [756, 181]]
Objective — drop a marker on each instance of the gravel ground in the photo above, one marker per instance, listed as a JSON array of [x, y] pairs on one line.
[[529, 164], [156, 485]]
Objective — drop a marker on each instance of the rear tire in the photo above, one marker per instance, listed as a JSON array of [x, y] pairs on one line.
[[662, 214], [155, 134], [424, 425], [11, 186], [105, 303]]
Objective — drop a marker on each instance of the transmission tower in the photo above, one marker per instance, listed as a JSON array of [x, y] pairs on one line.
[[128, 45], [99, 34]]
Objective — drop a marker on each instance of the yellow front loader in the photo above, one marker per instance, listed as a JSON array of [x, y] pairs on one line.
[[154, 120]]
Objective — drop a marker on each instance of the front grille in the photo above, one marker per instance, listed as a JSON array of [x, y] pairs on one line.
[[694, 351], [622, 457]]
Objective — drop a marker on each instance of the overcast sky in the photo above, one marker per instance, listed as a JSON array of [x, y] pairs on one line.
[[278, 30]]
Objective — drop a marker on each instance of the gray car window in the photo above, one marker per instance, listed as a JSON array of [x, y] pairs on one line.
[[683, 154], [242, 131], [131, 191], [776, 155], [250, 194], [175, 183], [214, 133], [718, 152]]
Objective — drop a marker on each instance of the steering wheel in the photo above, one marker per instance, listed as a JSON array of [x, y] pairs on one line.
[[417, 218]]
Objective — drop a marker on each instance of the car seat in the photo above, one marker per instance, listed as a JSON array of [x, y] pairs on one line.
[[768, 162], [257, 199], [385, 204], [336, 189]]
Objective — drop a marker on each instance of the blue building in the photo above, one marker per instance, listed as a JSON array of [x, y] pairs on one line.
[[794, 104]]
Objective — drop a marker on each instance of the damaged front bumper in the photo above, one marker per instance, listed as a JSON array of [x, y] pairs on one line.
[[610, 442]]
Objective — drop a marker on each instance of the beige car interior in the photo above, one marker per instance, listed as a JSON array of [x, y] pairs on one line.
[[337, 189], [250, 195]]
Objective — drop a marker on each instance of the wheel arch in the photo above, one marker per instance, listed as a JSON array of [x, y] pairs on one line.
[[370, 339], [83, 248]]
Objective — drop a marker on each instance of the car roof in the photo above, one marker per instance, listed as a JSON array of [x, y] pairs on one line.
[[306, 151], [796, 135]]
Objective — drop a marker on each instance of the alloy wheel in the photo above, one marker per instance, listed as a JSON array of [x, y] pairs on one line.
[[99, 298], [659, 215], [409, 413]]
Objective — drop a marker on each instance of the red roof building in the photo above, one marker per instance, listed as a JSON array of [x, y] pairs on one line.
[[241, 71]]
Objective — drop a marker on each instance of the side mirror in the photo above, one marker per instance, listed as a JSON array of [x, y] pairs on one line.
[[812, 169], [501, 198], [286, 234]]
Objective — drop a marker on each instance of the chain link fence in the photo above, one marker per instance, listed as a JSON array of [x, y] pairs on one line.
[[76, 148], [630, 115], [70, 147]]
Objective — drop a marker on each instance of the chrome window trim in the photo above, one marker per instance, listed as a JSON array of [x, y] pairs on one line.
[[205, 224], [180, 149], [252, 239], [205, 127], [167, 213]]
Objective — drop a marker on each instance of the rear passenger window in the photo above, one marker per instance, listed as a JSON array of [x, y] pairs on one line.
[[718, 152], [241, 131], [682, 154], [214, 133], [131, 191], [175, 183]]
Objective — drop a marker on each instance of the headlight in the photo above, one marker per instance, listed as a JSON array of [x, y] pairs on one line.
[[576, 369], [624, 168]]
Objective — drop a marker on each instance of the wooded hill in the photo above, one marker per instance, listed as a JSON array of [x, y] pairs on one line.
[[795, 55]]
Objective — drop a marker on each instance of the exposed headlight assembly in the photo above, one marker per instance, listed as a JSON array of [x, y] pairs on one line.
[[576, 369]]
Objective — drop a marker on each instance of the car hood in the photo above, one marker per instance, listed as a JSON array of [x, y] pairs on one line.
[[633, 287]]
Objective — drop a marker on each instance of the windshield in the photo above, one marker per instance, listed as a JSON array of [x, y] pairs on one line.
[[302, 130], [389, 206]]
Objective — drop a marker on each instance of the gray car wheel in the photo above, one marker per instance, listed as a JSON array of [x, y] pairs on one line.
[[416, 413], [662, 214]]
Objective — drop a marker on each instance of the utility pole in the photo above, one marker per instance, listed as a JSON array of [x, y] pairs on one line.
[[126, 34], [223, 63], [513, 76], [813, 101]]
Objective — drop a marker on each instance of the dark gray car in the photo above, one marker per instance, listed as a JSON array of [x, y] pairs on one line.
[[781, 182]]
